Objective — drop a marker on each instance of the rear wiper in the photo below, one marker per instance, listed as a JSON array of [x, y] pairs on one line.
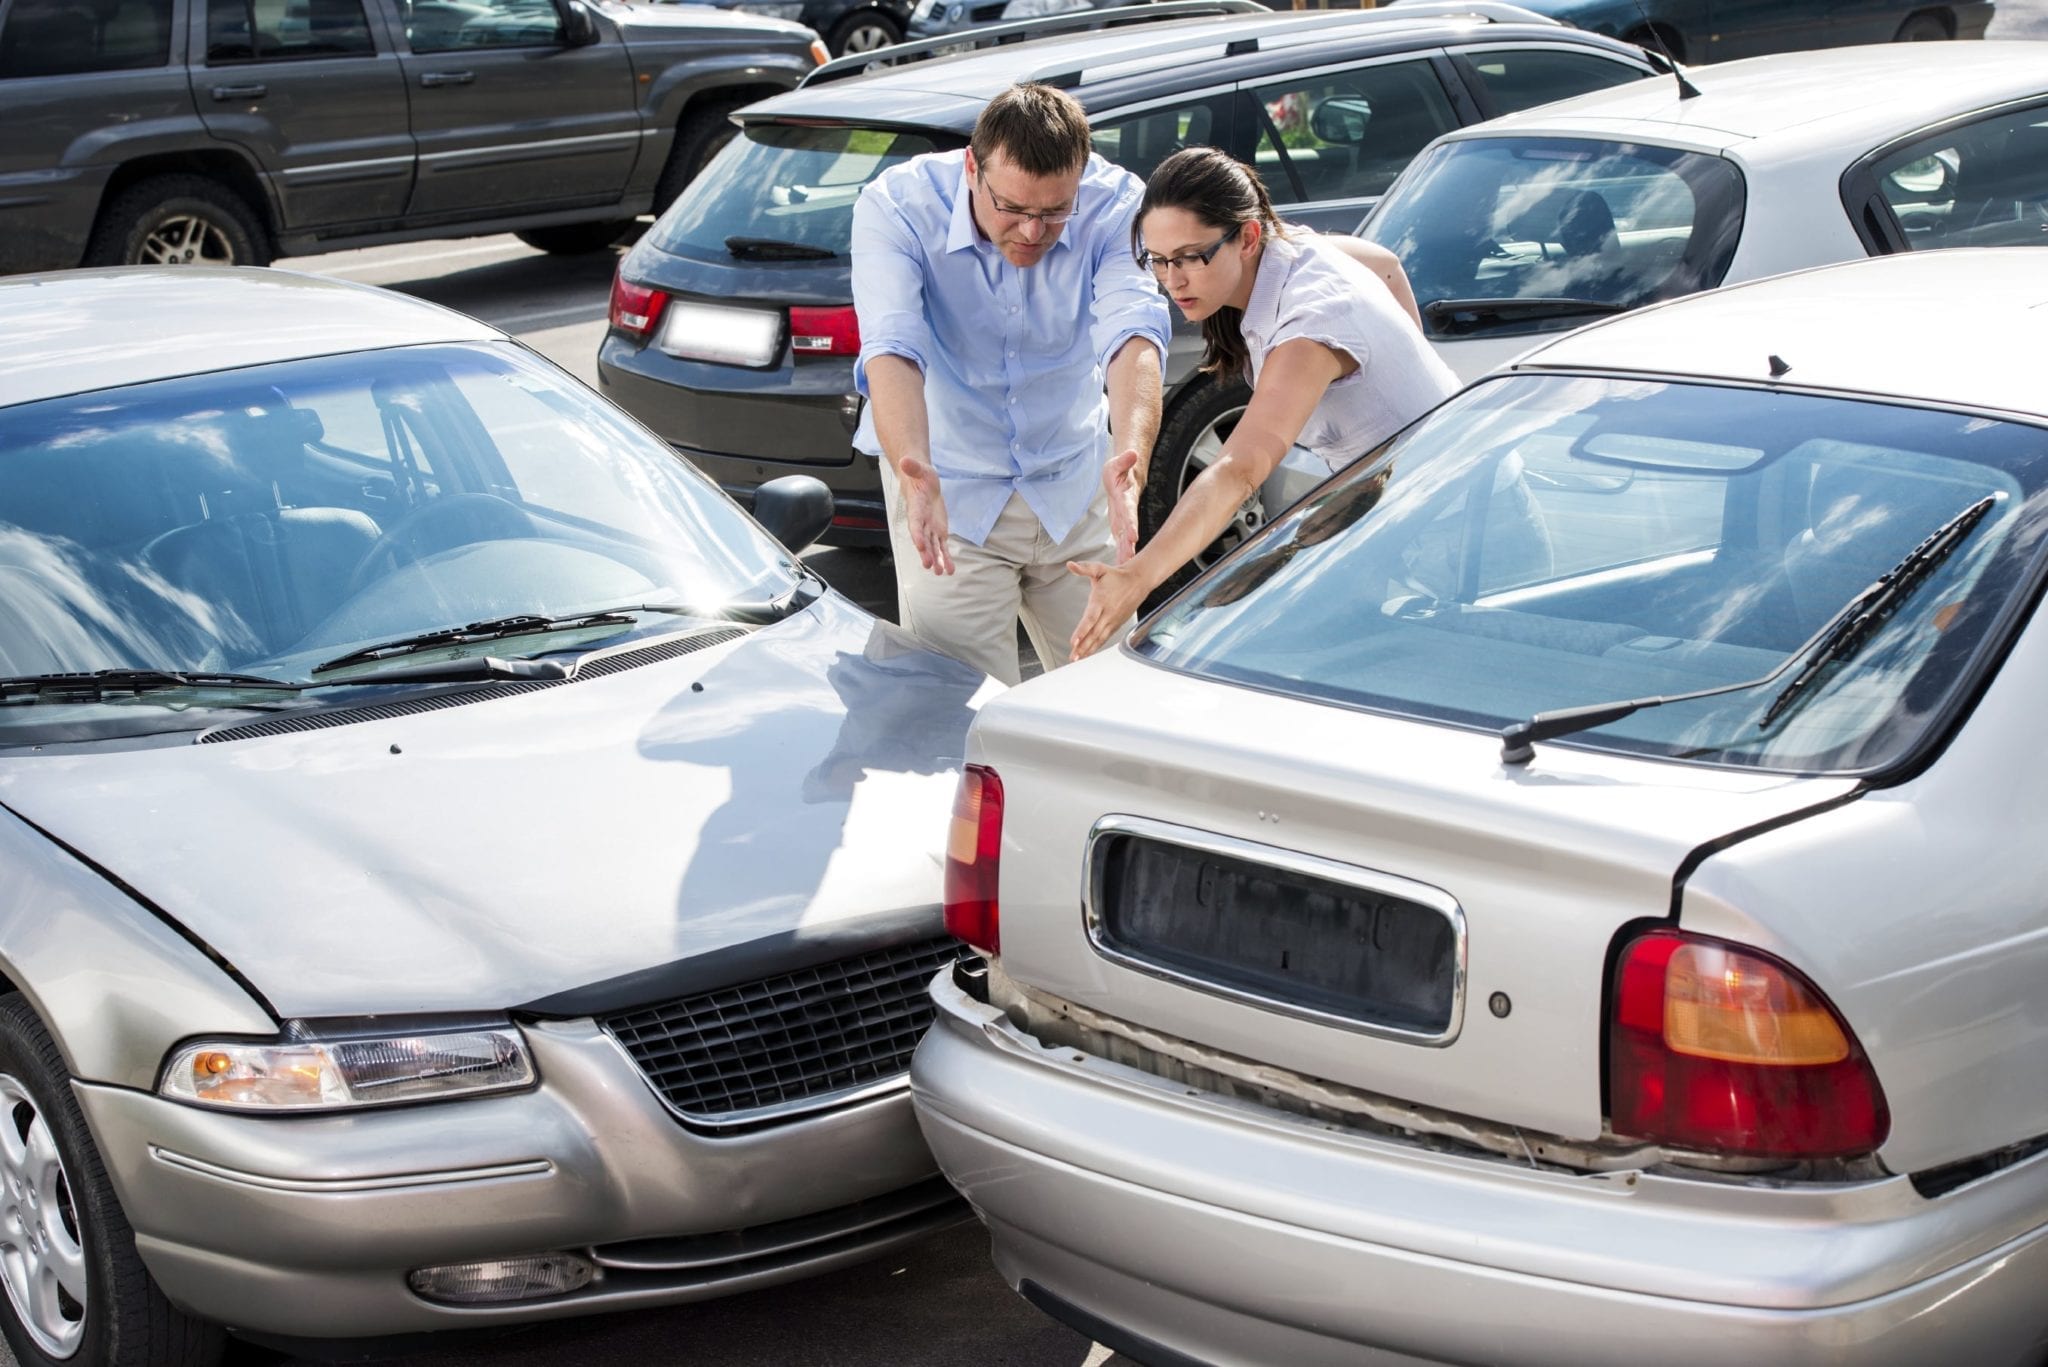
[[100, 684], [774, 249], [1456, 316], [495, 629], [1839, 638]]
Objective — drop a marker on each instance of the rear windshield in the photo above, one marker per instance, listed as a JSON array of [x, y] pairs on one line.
[[1541, 543], [784, 184], [1487, 227]]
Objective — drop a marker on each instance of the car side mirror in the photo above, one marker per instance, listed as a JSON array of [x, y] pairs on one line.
[[1340, 119], [795, 509], [579, 28]]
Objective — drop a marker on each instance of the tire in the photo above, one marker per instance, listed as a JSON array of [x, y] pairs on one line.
[[1191, 436], [178, 220], [1925, 27], [1673, 45], [707, 128], [575, 239], [863, 32], [121, 1319]]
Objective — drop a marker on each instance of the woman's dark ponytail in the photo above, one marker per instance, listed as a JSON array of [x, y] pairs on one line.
[[1223, 193]]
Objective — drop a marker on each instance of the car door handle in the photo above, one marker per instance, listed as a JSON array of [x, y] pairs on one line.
[[240, 92], [432, 78]]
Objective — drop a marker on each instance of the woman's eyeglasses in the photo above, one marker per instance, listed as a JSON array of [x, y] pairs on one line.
[[1185, 261], [1051, 218]]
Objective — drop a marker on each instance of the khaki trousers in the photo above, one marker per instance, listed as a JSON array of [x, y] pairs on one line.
[[1018, 573]]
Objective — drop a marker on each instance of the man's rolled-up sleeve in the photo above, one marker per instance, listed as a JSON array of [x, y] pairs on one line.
[[1127, 302], [888, 287]]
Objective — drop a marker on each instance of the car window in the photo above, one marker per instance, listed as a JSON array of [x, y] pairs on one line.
[[1602, 224], [1347, 135], [267, 519], [1139, 142], [283, 30], [1522, 78], [1545, 542], [784, 183], [446, 25], [1984, 184], [66, 37]]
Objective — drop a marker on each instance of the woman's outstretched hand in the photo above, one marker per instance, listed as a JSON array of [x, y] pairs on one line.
[[1113, 599]]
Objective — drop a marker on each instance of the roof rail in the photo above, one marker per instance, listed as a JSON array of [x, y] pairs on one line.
[[1067, 75], [840, 68]]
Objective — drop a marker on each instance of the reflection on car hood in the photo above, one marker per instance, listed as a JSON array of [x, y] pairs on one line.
[[658, 21], [484, 856]]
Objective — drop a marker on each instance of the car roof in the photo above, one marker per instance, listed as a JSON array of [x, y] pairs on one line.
[[1858, 95], [1958, 328], [1102, 66], [69, 332]]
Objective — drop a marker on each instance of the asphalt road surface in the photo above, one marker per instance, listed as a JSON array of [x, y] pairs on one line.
[[940, 1304]]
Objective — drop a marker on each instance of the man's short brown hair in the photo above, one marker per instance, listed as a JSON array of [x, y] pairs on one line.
[[1039, 129]]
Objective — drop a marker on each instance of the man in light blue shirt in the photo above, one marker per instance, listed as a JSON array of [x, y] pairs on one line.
[[998, 298]]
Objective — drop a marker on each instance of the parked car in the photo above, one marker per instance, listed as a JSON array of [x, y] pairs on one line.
[[167, 132], [732, 328], [1716, 30], [460, 870], [850, 27], [1619, 198], [1619, 931]]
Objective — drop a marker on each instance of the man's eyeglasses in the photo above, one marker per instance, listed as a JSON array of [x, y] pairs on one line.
[[1185, 261], [1051, 218]]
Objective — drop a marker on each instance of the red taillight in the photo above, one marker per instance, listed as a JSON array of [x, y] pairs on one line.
[[635, 308], [974, 849], [824, 332], [1728, 1051]]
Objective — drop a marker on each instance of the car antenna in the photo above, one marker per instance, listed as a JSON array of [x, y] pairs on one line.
[[1686, 89]]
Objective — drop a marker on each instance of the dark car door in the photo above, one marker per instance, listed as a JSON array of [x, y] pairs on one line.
[[1333, 139], [508, 115], [1749, 28], [304, 86]]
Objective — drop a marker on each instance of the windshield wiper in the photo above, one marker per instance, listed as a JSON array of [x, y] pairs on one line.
[[495, 629], [774, 249], [100, 684], [1839, 638], [1456, 316]]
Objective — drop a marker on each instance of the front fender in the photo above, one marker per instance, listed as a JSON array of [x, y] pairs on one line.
[[115, 982]]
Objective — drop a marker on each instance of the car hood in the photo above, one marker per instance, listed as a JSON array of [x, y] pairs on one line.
[[788, 788], [659, 21]]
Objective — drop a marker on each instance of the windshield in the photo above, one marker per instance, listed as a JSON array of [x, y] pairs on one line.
[[778, 183], [261, 521], [1564, 219], [1541, 543]]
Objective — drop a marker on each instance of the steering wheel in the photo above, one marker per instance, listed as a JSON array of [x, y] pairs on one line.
[[443, 523]]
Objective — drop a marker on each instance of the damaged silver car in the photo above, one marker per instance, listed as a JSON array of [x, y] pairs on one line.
[[458, 868]]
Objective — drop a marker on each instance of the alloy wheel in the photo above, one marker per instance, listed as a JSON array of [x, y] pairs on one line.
[[1250, 516], [866, 38], [42, 1257], [186, 240]]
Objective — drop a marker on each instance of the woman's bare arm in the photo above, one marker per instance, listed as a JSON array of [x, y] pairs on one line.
[[1385, 265]]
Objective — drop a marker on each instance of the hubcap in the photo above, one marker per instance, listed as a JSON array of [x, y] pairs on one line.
[[866, 38], [1250, 516], [184, 241], [42, 1260]]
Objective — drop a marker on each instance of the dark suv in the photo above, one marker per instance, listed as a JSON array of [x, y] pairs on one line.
[[732, 331], [234, 131]]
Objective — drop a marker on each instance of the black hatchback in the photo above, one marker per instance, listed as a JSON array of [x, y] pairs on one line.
[[732, 326]]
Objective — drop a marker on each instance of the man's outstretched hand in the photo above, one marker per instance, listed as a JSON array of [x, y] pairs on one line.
[[924, 513]]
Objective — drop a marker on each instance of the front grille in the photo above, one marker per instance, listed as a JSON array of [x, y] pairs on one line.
[[791, 1043]]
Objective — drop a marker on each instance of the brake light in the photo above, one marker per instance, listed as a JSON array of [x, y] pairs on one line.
[[1726, 1050], [635, 308], [974, 848], [824, 332]]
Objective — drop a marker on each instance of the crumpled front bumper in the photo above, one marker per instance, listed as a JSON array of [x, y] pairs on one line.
[[306, 1227]]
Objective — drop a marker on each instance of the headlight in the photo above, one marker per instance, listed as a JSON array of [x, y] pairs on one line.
[[321, 1075], [772, 9], [1036, 9]]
